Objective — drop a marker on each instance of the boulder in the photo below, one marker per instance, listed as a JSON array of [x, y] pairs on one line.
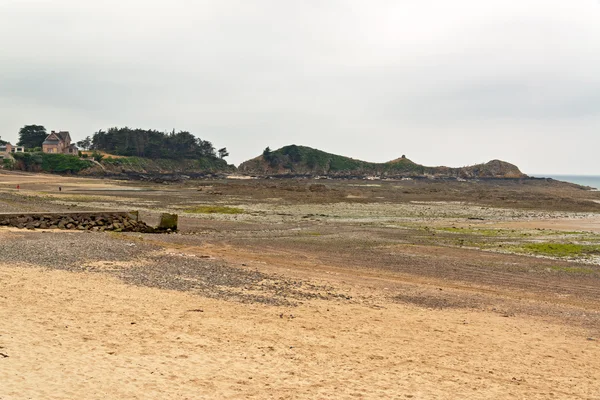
[[168, 221]]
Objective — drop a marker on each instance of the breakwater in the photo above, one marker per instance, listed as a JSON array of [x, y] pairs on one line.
[[97, 221]]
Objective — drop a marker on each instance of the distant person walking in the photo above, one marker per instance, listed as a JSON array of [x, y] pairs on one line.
[[18, 187], [59, 189]]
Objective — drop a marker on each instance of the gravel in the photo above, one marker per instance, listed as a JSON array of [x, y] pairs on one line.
[[67, 251], [142, 264]]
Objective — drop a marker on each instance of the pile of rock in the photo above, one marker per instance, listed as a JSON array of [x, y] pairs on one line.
[[100, 221]]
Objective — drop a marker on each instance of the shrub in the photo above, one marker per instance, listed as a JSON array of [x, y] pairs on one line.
[[97, 156], [50, 162], [8, 163]]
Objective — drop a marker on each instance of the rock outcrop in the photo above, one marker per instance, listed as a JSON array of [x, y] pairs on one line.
[[492, 169]]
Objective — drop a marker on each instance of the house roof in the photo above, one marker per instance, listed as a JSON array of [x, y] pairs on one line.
[[55, 137], [63, 135]]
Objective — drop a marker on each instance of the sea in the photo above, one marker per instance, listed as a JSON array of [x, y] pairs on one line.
[[585, 180]]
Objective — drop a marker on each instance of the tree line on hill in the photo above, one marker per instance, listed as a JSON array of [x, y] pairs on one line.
[[147, 143], [153, 144]]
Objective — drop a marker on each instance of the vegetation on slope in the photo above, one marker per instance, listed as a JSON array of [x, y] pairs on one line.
[[162, 165], [149, 143], [147, 151], [295, 157], [63, 163], [60, 163], [305, 160]]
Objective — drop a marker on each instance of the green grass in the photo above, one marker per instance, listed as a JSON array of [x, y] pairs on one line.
[[214, 210], [561, 249], [481, 232], [573, 270]]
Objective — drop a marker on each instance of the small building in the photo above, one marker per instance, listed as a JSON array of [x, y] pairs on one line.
[[6, 148], [59, 142], [9, 148]]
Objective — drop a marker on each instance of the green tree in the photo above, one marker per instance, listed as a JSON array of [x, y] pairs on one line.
[[223, 153], [32, 136], [152, 144], [272, 158], [267, 154], [85, 143]]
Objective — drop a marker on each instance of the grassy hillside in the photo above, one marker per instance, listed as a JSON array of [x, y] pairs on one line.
[[62, 163], [305, 160], [146, 165], [301, 160]]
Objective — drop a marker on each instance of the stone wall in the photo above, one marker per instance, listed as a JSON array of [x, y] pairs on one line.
[[82, 221]]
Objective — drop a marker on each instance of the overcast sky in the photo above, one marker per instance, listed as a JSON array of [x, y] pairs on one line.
[[443, 82]]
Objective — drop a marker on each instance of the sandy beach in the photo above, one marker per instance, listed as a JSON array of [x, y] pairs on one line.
[[360, 300], [77, 335]]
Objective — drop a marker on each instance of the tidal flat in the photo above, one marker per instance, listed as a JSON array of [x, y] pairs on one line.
[[304, 289]]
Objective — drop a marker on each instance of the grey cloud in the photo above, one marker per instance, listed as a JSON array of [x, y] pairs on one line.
[[373, 79]]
